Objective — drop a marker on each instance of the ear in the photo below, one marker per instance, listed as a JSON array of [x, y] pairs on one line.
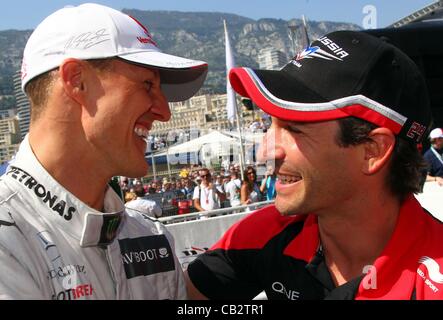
[[378, 150], [72, 75]]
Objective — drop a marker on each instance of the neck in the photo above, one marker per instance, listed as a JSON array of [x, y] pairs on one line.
[[354, 238], [68, 161]]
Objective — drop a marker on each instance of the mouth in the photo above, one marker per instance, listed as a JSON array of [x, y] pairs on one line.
[[288, 179], [142, 130]]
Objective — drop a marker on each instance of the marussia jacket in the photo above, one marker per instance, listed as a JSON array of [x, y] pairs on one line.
[[282, 255]]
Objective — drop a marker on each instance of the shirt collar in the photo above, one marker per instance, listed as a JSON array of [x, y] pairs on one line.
[[57, 205], [395, 267]]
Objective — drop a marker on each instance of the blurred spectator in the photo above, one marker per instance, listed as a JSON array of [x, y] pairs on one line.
[[250, 191], [219, 183], [233, 188], [179, 190], [255, 125], [433, 157], [268, 184], [184, 173], [143, 205], [130, 195], [168, 193], [189, 188], [124, 185], [206, 196], [155, 196]]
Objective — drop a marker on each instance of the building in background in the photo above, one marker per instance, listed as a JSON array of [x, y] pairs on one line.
[[201, 112], [23, 105], [9, 138], [8, 113], [271, 59]]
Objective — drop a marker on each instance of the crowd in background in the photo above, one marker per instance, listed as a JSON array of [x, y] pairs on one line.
[[160, 141], [198, 188]]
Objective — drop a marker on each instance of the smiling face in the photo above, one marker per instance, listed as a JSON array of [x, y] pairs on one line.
[[437, 143], [121, 105], [314, 173]]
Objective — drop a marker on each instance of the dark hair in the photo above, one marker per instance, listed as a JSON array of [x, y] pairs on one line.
[[407, 164], [39, 88], [205, 170], [139, 191], [38, 91], [245, 173]]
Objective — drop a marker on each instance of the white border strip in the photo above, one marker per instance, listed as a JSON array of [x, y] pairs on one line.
[[327, 106]]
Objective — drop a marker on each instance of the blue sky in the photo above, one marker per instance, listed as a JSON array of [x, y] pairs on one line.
[[26, 14]]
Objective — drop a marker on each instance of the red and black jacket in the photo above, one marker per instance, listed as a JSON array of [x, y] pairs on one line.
[[282, 256]]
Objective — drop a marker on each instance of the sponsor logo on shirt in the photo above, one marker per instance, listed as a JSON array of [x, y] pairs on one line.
[[82, 290], [146, 255], [45, 195], [289, 293], [434, 274], [69, 270], [109, 228], [67, 276]]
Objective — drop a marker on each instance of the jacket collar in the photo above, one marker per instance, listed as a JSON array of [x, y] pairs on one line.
[[44, 196]]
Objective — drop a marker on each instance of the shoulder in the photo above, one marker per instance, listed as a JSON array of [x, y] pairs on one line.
[[6, 189], [139, 218], [11, 219], [141, 205], [428, 230], [14, 244], [23, 276], [434, 232], [140, 224], [428, 154], [256, 229], [9, 230]]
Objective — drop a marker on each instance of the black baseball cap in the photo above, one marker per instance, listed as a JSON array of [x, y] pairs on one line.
[[343, 74]]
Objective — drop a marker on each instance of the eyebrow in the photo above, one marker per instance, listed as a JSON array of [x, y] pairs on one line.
[[304, 125]]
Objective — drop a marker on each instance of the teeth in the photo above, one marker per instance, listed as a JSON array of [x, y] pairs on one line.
[[288, 179], [141, 132]]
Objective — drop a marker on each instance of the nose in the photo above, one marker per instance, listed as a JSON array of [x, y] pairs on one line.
[[271, 148], [160, 108]]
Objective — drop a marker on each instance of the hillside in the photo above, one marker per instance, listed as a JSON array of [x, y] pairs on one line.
[[189, 34]]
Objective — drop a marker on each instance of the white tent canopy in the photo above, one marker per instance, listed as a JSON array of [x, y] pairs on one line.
[[195, 145], [250, 137]]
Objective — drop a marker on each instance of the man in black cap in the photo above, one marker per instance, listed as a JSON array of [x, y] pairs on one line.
[[347, 115]]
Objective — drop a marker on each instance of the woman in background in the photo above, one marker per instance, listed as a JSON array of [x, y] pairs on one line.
[[250, 191]]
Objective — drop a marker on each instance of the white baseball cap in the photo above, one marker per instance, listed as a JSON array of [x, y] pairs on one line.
[[92, 31], [436, 133]]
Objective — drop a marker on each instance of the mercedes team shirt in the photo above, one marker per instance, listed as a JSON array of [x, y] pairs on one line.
[[53, 246], [282, 255]]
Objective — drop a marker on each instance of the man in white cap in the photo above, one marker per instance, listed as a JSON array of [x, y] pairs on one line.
[[96, 81], [433, 157]]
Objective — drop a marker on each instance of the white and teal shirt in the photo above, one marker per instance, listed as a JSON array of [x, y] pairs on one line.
[[53, 246]]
